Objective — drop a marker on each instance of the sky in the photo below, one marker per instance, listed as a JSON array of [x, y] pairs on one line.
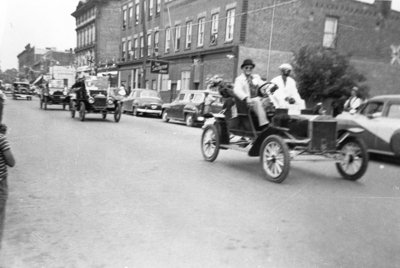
[[44, 23]]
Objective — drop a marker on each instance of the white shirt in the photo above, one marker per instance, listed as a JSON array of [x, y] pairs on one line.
[[352, 104], [242, 88], [287, 90]]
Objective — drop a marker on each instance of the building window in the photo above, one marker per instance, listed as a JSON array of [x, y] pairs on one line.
[[185, 76], [188, 42], [200, 34], [141, 46], [156, 42], [230, 24], [167, 39], [137, 12], [149, 45], [123, 50], [177, 37], [158, 7], [150, 8], [214, 29], [130, 52], [124, 18], [135, 48], [330, 32], [130, 16]]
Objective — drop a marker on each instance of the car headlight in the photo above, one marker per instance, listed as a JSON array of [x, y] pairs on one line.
[[91, 100], [110, 101]]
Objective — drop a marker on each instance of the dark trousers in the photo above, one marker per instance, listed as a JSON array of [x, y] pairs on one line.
[[1, 110]]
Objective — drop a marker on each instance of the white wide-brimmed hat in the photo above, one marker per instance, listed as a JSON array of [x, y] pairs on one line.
[[286, 66]]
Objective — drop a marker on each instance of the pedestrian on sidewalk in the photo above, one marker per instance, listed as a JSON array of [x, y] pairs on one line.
[[6, 159], [3, 99]]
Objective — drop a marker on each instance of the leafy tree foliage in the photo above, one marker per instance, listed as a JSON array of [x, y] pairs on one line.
[[9, 75], [324, 73]]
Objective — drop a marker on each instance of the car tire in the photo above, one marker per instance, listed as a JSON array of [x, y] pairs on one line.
[[165, 116], [355, 158], [82, 111], [395, 142], [210, 143], [117, 113], [189, 120], [275, 159]]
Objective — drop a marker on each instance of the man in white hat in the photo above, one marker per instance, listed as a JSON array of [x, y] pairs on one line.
[[287, 95], [246, 89]]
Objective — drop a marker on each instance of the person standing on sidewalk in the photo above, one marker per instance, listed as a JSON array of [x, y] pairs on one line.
[[3, 99], [6, 159]]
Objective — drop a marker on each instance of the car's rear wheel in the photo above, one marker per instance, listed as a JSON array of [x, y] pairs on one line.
[[117, 113], [354, 159], [82, 111], [189, 120], [165, 116], [275, 159], [210, 143]]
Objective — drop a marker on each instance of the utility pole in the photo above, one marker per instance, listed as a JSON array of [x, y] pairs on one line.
[[145, 48]]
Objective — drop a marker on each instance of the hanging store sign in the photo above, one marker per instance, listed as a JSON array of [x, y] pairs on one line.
[[159, 67]]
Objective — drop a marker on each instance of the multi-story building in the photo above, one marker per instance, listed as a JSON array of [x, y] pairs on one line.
[[97, 35], [33, 61], [199, 39]]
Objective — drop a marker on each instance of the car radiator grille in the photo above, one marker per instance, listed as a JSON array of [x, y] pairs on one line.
[[100, 102]]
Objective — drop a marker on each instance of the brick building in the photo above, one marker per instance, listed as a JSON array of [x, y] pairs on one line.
[[97, 35], [33, 61], [205, 37]]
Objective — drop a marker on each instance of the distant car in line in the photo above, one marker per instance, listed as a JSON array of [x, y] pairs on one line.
[[380, 117], [189, 107], [143, 101], [22, 90]]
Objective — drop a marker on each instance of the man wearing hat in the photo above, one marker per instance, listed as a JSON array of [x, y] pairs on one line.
[[287, 96], [352, 103], [246, 89]]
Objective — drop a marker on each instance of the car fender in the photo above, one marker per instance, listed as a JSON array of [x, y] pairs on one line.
[[395, 142]]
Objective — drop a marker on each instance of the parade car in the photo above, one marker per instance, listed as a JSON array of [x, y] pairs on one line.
[[143, 101], [94, 95], [54, 93], [22, 90], [189, 107], [380, 118]]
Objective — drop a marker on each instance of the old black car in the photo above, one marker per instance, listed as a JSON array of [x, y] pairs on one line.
[[22, 90], [53, 93], [189, 107], [94, 95]]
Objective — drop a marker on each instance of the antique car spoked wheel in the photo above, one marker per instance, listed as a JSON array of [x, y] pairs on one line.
[[165, 116], [72, 109], [275, 159], [189, 120], [117, 113], [210, 143], [82, 111], [354, 159]]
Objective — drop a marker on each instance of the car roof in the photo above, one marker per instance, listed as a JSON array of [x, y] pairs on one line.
[[385, 97]]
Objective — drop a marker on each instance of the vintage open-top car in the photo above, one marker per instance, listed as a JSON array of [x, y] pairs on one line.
[[22, 90], [283, 139], [53, 93], [93, 95]]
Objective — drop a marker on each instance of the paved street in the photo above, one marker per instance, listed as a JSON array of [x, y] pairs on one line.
[[138, 194]]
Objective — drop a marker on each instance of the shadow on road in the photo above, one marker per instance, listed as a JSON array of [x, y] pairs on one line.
[[385, 159]]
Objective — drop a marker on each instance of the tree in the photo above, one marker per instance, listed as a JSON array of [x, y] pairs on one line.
[[324, 73], [9, 76]]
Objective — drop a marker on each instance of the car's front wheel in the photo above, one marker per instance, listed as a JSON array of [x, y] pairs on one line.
[[275, 159], [210, 143], [189, 120], [82, 111], [353, 159], [117, 113], [165, 116]]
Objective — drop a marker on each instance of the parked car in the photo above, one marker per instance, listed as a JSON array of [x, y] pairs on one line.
[[54, 93], [380, 117], [22, 90], [143, 101], [189, 107], [93, 95]]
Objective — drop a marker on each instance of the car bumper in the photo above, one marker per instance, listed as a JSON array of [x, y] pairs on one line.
[[148, 111]]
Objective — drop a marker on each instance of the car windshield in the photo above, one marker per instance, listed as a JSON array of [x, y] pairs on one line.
[[56, 83], [97, 84], [20, 85], [198, 98], [149, 94], [372, 108]]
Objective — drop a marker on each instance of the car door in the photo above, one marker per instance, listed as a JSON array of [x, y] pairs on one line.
[[370, 118], [387, 125], [127, 103], [180, 108], [173, 109]]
